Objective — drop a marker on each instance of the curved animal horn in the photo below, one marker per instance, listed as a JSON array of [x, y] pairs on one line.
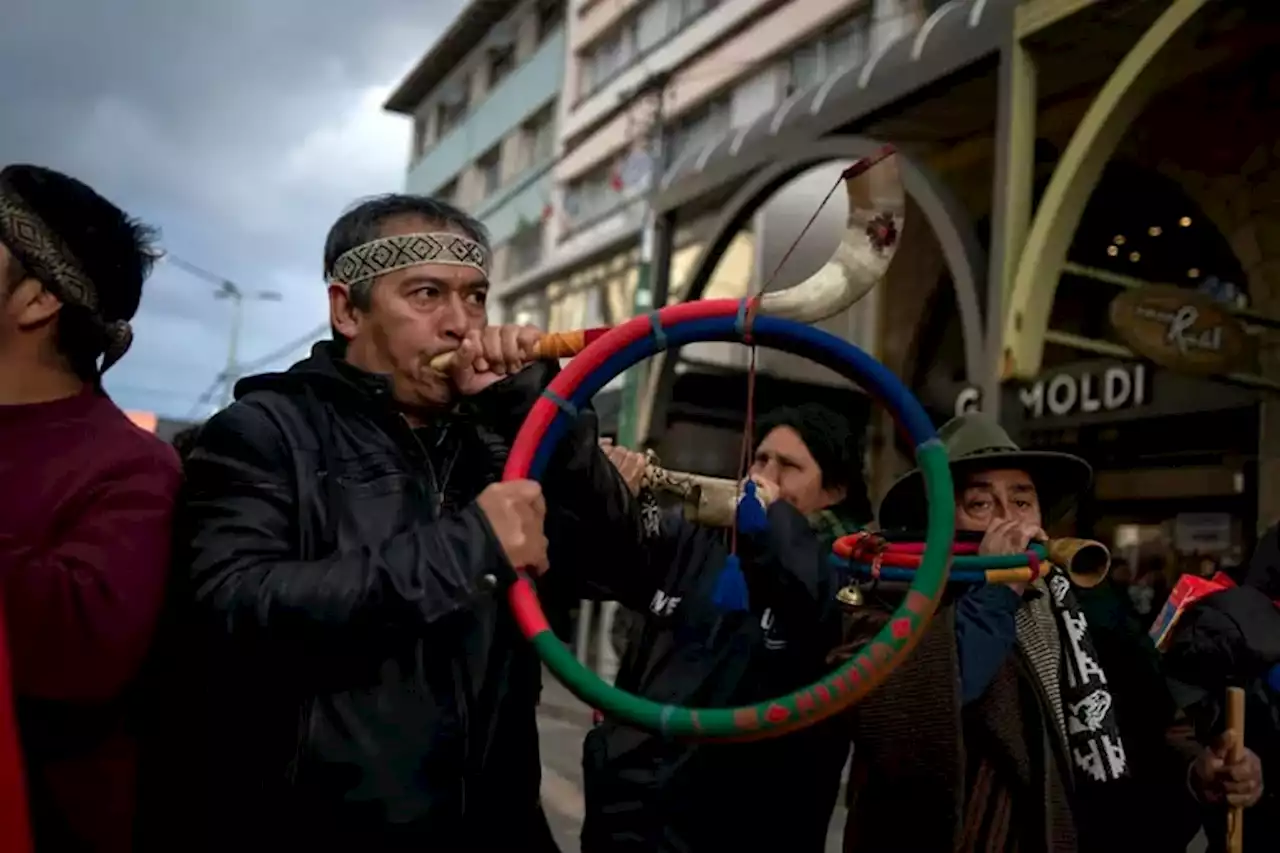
[[860, 262]]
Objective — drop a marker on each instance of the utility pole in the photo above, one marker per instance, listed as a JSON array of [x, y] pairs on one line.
[[227, 289], [636, 379]]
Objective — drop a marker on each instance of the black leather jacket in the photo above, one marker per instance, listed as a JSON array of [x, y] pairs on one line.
[[363, 686]]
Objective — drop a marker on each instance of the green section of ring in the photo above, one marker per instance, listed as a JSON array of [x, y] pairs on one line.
[[848, 683], [997, 561]]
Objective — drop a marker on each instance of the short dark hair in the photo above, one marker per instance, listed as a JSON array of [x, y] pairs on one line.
[[115, 251], [833, 444], [363, 221]]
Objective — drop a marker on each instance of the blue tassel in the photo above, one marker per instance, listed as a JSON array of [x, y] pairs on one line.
[[1273, 679], [731, 587], [752, 517]]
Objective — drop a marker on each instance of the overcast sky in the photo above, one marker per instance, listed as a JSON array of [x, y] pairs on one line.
[[240, 128]]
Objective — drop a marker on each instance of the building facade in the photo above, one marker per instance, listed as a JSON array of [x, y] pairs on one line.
[[1087, 253], [647, 84], [485, 102]]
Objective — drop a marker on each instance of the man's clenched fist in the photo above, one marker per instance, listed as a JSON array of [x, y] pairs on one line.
[[516, 512], [489, 354]]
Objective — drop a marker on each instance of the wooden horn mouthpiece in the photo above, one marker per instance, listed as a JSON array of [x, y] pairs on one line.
[[1086, 561], [709, 501], [550, 345]]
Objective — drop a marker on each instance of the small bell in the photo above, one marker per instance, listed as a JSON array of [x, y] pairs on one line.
[[850, 596]]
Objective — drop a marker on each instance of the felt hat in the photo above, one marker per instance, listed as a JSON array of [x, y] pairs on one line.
[[977, 442]]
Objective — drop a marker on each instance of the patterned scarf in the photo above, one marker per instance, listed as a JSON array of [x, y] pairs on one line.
[[1093, 737]]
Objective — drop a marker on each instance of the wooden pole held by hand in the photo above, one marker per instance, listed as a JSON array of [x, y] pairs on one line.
[[1235, 722]]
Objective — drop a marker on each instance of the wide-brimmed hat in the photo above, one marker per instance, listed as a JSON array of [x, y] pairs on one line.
[[976, 442]]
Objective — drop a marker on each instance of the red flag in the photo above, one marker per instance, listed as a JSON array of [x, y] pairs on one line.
[[15, 827]]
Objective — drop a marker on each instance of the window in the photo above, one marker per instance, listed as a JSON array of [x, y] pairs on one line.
[[453, 106], [539, 136], [490, 168], [653, 23], [502, 61], [593, 195], [804, 68], [656, 19], [524, 251], [419, 136], [699, 127], [756, 96], [448, 192], [605, 59], [845, 48], [550, 15]]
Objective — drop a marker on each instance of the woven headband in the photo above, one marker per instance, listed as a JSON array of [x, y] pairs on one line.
[[388, 254], [48, 259]]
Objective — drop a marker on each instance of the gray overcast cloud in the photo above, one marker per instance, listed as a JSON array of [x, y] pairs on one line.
[[240, 128]]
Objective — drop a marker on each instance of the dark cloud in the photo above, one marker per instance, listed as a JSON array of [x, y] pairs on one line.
[[239, 127]]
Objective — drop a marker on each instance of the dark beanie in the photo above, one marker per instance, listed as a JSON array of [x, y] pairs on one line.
[[832, 443]]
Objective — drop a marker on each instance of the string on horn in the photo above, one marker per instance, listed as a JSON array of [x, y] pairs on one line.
[[860, 262]]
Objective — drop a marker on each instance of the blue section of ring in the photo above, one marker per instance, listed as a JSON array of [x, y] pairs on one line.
[[895, 573], [786, 335]]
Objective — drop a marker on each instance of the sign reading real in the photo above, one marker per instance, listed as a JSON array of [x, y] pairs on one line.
[[1183, 330], [1108, 389]]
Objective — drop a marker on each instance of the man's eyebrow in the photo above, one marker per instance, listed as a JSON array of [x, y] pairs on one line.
[[1022, 488], [424, 278], [978, 484]]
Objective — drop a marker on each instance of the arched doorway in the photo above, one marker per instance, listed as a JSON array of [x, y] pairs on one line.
[[1174, 456]]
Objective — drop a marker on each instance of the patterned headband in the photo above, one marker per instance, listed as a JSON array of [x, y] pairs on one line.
[[388, 254], [48, 259]]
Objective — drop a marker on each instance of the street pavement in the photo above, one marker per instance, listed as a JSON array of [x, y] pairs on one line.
[[563, 722]]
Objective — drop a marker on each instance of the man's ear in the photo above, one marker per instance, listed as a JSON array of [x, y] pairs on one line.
[[31, 304], [834, 495], [343, 314]]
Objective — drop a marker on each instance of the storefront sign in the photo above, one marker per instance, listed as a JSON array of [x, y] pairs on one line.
[[1180, 329], [1202, 532], [1107, 389]]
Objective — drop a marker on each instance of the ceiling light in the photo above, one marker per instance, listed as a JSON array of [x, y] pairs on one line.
[[1119, 241], [1184, 221], [1135, 257], [1112, 251], [1154, 231], [1194, 272]]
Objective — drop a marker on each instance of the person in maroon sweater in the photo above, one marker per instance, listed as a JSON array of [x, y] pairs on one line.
[[85, 512]]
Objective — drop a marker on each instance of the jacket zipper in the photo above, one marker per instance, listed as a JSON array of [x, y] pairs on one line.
[[436, 487]]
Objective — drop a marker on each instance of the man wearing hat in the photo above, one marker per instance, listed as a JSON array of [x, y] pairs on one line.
[[85, 515], [1004, 726]]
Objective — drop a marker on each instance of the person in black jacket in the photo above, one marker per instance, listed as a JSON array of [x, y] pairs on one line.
[[1233, 638], [347, 547], [647, 793]]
